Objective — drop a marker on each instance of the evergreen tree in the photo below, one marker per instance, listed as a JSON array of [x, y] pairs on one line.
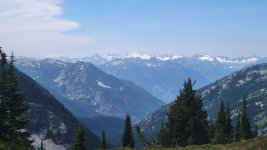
[[16, 106], [229, 127], [163, 136], [42, 146], [127, 137], [211, 131], [237, 129], [245, 128], [80, 138], [187, 120], [255, 133], [220, 126], [103, 144], [3, 108], [14, 102]]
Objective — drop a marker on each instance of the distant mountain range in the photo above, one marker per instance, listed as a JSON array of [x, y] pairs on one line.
[[87, 91], [97, 97], [49, 121], [163, 75], [250, 82]]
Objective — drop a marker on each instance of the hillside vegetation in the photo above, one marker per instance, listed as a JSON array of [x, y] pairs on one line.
[[259, 143], [12, 146]]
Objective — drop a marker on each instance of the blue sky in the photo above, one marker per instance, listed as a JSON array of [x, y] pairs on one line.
[[223, 27]]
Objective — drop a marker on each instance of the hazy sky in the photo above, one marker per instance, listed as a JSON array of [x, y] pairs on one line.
[[84, 27]]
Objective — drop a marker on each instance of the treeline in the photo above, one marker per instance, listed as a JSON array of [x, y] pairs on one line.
[[188, 122], [127, 139], [223, 132], [12, 105]]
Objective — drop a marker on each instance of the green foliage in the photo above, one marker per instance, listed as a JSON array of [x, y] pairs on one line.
[[13, 146], [211, 131], [13, 105], [3, 101], [229, 127], [42, 146], [103, 143], [80, 139], [164, 136], [187, 120], [245, 128], [259, 143], [220, 126], [127, 137], [255, 132], [223, 127], [237, 130]]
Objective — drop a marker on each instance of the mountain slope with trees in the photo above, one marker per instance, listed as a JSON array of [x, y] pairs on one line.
[[31, 116], [250, 82], [49, 120]]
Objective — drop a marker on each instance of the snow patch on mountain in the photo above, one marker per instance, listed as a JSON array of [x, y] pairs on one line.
[[206, 58], [170, 57], [102, 84], [82, 67], [110, 57], [139, 55], [237, 61]]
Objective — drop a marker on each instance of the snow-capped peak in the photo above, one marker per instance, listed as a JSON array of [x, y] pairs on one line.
[[110, 57], [205, 57], [168, 57], [237, 60], [138, 55]]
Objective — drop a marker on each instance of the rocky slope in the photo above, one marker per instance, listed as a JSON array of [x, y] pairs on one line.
[[87, 91], [49, 121]]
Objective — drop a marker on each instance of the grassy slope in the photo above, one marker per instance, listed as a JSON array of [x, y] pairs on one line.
[[12, 146], [254, 144]]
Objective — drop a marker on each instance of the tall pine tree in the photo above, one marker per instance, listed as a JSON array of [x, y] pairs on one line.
[[79, 143], [187, 120], [4, 135], [211, 131], [237, 129], [220, 126], [245, 128], [127, 137], [229, 128], [103, 143], [42, 146], [255, 131], [15, 106], [164, 136]]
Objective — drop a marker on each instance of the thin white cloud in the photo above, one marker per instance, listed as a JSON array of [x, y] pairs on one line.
[[32, 28]]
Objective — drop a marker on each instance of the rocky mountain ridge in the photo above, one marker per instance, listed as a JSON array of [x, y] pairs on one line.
[[49, 121], [87, 91], [163, 75]]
